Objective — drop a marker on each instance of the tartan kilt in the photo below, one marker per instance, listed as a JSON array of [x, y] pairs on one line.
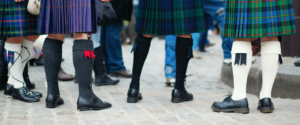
[[15, 20], [67, 16], [256, 19], [169, 17]]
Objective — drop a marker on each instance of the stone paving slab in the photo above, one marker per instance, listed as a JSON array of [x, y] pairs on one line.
[[156, 107]]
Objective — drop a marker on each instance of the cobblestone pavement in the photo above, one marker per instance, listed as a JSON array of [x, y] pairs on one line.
[[156, 107]]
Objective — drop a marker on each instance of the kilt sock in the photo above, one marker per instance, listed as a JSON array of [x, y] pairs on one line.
[[270, 55], [26, 51], [83, 60], [241, 58], [141, 48], [183, 52], [14, 60], [52, 52]]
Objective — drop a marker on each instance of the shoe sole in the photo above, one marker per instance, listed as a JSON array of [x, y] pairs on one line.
[[16, 97], [178, 100], [115, 75], [65, 79], [52, 105], [89, 108], [103, 84], [265, 109], [235, 110], [133, 100]]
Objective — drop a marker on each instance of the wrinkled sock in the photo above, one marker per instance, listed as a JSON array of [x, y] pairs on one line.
[[83, 60], [183, 54], [141, 48], [241, 64], [52, 53], [14, 61], [99, 67], [270, 56]]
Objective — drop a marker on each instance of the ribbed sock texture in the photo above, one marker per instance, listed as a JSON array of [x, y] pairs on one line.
[[269, 64], [52, 52], [140, 55], [13, 55], [183, 46], [241, 71], [83, 66], [99, 67]]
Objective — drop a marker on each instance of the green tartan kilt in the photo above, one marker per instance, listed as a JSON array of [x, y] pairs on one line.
[[259, 18], [170, 17], [15, 20]]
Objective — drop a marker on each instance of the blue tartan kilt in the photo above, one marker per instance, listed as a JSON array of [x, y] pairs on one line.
[[169, 17], [15, 20]]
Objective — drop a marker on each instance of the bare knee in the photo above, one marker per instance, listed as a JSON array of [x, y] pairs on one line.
[[15, 40], [79, 36], [32, 38], [243, 39], [148, 36], [185, 36], [265, 39], [60, 37]]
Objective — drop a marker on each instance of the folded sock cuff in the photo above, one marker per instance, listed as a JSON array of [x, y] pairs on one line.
[[270, 47], [52, 44], [81, 45], [241, 47], [27, 43], [184, 41], [143, 40]]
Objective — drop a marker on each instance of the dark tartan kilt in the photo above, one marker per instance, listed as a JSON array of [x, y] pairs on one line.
[[169, 17], [67, 16], [259, 18], [15, 20]]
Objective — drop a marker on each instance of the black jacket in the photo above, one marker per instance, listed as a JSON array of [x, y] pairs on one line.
[[123, 9]]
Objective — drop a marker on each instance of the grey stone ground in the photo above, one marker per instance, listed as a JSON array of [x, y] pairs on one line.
[[156, 107]]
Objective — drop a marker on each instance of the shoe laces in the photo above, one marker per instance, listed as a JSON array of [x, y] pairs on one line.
[[228, 96], [27, 92]]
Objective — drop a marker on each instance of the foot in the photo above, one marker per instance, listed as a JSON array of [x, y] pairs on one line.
[[230, 105], [94, 103], [63, 76], [181, 96], [265, 105], [123, 73], [170, 82], [210, 44], [9, 90], [196, 54], [53, 101], [105, 80], [227, 62], [23, 94], [133, 96]]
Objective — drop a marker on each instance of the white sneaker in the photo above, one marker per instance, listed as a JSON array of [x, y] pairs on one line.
[[227, 62], [196, 54]]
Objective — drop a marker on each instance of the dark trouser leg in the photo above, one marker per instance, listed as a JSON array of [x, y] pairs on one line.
[[3, 66]]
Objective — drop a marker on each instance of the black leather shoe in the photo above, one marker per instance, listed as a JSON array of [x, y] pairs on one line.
[[29, 84], [94, 103], [181, 96], [133, 96], [9, 90], [23, 94], [53, 101], [265, 105], [37, 62], [297, 63], [105, 80], [229, 105]]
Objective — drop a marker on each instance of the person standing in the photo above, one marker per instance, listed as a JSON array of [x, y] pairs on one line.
[[77, 17], [18, 26], [246, 19], [111, 45], [173, 17]]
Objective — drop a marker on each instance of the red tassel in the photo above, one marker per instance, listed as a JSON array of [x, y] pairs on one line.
[[93, 55], [87, 54], [41, 54]]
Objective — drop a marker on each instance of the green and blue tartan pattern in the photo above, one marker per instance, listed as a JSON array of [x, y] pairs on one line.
[[15, 20], [259, 18], [169, 17]]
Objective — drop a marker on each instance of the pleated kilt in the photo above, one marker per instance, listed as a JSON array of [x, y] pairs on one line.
[[259, 18], [15, 21], [67, 16], [169, 17]]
